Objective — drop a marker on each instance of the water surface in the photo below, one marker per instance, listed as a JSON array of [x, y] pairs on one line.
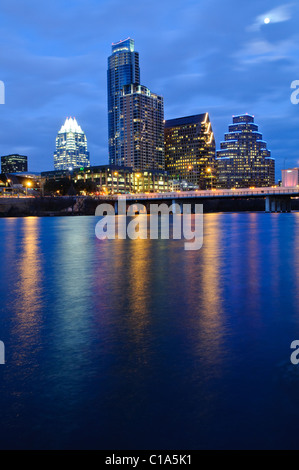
[[142, 345]]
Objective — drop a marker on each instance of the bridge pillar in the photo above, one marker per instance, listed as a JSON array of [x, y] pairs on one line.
[[273, 205], [174, 208], [283, 205], [276, 204], [279, 204], [188, 208]]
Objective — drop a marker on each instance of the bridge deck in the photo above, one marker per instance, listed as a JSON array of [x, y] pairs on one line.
[[223, 193]]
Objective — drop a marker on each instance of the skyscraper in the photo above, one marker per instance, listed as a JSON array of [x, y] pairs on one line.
[[14, 164], [71, 147], [123, 69], [244, 159], [190, 150], [142, 128]]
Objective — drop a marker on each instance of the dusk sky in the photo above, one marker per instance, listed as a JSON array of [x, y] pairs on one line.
[[202, 55]]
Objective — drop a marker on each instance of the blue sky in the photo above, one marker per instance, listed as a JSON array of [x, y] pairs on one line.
[[215, 56]]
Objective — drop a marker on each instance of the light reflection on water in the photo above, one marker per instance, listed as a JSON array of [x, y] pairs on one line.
[[140, 344]]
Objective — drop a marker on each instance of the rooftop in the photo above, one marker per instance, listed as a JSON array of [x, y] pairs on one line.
[[186, 120], [71, 125]]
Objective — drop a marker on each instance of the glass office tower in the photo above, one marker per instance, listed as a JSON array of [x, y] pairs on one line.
[[244, 160], [142, 128], [71, 147], [14, 163], [190, 150], [123, 69]]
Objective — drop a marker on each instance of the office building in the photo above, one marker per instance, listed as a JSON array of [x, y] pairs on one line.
[[123, 69], [71, 147], [142, 128], [14, 164], [112, 179], [290, 178], [244, 160], [190, 150]]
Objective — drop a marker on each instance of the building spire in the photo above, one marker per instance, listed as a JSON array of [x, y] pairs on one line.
[[71, 125]]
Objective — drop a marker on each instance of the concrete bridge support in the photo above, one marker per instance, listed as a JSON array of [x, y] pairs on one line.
[[174, 206], [278, 204]]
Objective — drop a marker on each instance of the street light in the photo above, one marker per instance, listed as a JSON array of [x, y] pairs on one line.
[[209, 171], [28, 185]]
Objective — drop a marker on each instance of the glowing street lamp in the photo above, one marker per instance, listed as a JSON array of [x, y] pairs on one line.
[[28, 185], [209, 171]]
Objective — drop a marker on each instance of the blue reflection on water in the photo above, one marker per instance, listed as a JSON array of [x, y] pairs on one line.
[[142, 345]]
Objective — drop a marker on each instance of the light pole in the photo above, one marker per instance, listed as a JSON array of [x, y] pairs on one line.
[[209, 171], [138, 176], [28, 185]]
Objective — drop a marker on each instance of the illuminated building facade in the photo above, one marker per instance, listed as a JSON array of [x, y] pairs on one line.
[[123, 69], [190, 150], [142, 128], [290, 178], [71, 147], [112, 179], [14, 164], [244, 160]]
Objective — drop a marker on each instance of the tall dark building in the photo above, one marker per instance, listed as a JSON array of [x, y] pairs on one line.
[[14, 164], [190, 150], [142, 125], [123, 69], [244, 159]]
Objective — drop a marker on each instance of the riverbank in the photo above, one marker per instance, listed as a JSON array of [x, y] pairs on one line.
[[47, 207], [78, 206]]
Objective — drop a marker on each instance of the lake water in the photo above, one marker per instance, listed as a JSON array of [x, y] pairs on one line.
[[142, 345]]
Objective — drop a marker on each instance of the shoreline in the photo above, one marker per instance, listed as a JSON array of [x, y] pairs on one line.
[[78, 207]]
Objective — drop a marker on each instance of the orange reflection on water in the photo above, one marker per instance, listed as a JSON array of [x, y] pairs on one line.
[[28, 307], [204, 305], [139, 287]]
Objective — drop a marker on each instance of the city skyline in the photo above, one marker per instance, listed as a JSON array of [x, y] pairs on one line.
[[194, 70]]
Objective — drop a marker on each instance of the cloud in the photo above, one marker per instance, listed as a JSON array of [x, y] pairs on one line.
[[196, 54], [261, 51], [276, 15]]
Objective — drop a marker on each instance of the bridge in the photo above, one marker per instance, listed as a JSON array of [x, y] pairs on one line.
[[277, 199]]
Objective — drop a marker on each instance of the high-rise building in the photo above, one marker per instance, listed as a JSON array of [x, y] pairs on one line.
[[290, 178], [142, 128], [190, 150], [71, 147], [14, 164], [244, 160], [123, 69]]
